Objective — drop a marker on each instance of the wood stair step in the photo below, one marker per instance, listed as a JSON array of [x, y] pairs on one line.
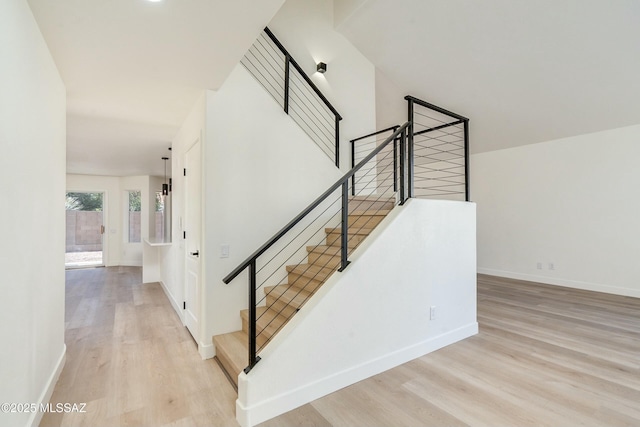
[[356, 236], [311, 271], [359, 203], [286, 299], [232, 352], [268, 322]]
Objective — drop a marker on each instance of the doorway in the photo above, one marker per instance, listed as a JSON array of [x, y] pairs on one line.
[[192, 228], [84, 229]]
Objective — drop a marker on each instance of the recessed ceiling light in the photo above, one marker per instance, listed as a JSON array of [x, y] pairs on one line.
[[155, 1]]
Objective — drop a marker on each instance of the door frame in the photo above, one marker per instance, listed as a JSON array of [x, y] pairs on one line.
[[105, 222], [185, 255]]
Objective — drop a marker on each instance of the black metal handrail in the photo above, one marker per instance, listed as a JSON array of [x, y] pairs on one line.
[[290, 61], [250, 262], [412, 133], [395, 157]]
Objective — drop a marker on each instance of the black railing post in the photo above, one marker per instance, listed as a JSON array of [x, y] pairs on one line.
[[395, 165], [402, 164], [410, 151], [253, 358], [466, 160], [287, 61], [344, 233], [337, 141], [353, 164]]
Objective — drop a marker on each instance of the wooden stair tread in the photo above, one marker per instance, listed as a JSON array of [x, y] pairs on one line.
[[268, 321], [311, 271], [232, 352], [288, 294], [371, 212], [352, 230]]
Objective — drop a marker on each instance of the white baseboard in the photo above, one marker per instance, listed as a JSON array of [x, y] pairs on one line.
[[576, 284], [207, 351], [249, 416], [45, 396], [174, 303]]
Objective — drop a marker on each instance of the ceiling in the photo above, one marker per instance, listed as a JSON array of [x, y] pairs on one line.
[[133, 69], [523, 71]]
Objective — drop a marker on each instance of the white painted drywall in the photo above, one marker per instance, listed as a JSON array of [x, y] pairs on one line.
[[391, 107], [306, 29], [260, 170], [571, 202], [172, 257], [375, 314], [32, 167], [112, 201]]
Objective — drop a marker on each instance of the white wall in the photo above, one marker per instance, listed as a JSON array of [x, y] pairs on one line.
[[261, 170], [306, 29], [571, 202], [391, 107], [32, 167], [376, 314], [172, 257]]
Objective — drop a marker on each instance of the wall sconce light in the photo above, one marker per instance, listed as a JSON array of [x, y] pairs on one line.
[[322, 67], [165, 186]]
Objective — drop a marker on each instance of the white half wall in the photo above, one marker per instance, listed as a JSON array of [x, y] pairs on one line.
[[32, 168], [376, 314], [562, 212]]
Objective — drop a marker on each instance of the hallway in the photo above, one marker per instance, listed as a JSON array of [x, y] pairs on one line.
[[131, 360]]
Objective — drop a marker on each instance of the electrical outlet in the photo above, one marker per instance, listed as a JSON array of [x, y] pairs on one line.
[[539, 266], [552, 266], [432, 312]]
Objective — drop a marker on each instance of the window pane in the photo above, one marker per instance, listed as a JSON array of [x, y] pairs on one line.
[[134, 216]]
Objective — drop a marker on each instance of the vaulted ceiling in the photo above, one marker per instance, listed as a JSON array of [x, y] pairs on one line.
[[523, 71]]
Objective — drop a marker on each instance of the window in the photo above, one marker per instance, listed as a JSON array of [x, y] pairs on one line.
[[159, 217], [135, 202]]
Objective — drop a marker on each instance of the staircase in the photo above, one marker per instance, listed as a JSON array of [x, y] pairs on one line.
[[303, 280]]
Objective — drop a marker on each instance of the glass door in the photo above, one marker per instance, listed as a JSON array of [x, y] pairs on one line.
[[84, 230]]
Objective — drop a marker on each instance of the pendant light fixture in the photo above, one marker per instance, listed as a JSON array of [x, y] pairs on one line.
[[165, 186]]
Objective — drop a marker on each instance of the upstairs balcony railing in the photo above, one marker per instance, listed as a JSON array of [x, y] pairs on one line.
[[281, 75]]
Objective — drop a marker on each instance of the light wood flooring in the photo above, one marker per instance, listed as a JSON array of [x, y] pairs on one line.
[[131, 360], [545, 355]]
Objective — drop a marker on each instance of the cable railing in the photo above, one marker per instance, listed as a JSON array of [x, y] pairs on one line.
[[279, 73], [284, 273], [440, 140], [415, 159]]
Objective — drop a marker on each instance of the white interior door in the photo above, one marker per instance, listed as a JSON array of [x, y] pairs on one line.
[[193, 229]]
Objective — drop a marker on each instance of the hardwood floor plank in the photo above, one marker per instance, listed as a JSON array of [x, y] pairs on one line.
[[545, 356]]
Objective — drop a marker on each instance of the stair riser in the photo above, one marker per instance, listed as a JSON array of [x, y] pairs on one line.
[[282, 307], [262, 338], [333, 239], [323, 260], [368, 221], [304, 283], [355, 205], [226, 364]]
